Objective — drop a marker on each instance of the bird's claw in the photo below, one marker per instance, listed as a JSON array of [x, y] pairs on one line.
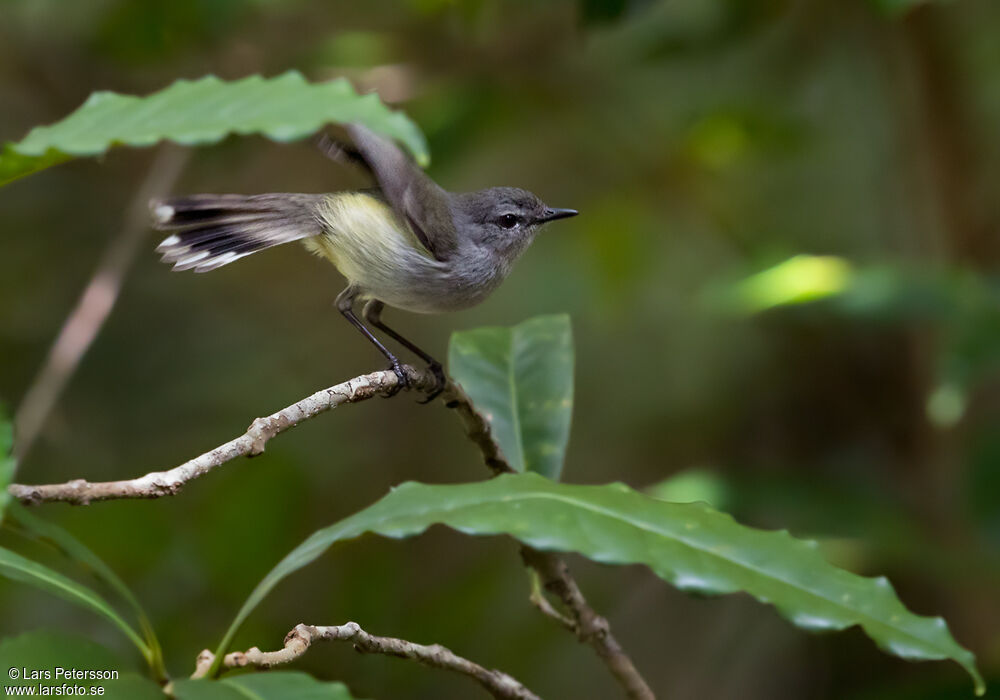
[[440, 381], [402, 380]]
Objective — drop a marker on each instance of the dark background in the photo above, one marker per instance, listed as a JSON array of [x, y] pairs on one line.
[[703, 141]]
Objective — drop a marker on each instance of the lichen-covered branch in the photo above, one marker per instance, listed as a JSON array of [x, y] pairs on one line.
[[251, 443], [298, 641]]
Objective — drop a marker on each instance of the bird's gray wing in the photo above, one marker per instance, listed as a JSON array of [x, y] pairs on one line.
[[416, 198]]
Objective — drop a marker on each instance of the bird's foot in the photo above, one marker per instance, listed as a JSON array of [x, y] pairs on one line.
[[440, 381], [402, 380]]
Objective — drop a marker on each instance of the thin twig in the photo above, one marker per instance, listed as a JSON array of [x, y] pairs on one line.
[[538, 599], [499, 684], [249, 444], [477, 429], [95, 304], [590, 628]]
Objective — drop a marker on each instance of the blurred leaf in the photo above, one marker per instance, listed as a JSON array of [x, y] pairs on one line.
[[689, 545], [274, 685], [983, 489], [896, 8], [718, 141], [729, 136], [601, 11], [964, 303], [73, 549], [136, 32], [521, 379], [18, 568], [798, 280], [78, 552], [614, 241], [14, 165], [7, 462], [890, 292], [42, 649], [946, 405], [354, 49], [204, 111], [692, 486]]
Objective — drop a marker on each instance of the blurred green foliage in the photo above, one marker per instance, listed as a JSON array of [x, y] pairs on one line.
[[703, 141], [20, 569], [7, 462], [41, 530]]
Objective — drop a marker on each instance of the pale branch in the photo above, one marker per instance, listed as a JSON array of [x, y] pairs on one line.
[[298, 641], [96, 302], [251, 443]]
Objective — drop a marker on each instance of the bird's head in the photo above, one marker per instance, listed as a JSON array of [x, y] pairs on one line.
[[504, 219]]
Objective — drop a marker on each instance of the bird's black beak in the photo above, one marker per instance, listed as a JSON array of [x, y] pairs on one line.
[[551, 214]]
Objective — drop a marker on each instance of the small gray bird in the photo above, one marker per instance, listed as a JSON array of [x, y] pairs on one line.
[[408, 244]]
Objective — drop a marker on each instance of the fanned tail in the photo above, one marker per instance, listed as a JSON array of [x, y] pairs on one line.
[[212, 230]]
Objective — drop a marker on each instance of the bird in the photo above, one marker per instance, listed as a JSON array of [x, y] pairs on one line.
[[406, 242]]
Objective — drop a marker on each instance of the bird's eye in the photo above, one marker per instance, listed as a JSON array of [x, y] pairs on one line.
[[508, 221]]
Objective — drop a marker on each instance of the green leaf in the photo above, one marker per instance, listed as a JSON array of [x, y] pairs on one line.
[[47, 650], [689, 545], [274, 685], [7, 462], [204, 111], [76, 551], [19, 568], [14, 165], [802, 279], [521, 380]]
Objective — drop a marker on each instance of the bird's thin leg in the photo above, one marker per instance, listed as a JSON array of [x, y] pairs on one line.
[[345, 304], [373, 314]]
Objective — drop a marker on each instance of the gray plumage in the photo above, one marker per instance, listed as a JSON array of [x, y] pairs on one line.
[[400, 244], [409, 244]]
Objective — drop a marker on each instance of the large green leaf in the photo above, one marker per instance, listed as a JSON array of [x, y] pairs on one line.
[[521, 379], [78, 552], [19, 568], [47, 650], [204, 111], [274, 685], [6, 459], [687, 544]]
